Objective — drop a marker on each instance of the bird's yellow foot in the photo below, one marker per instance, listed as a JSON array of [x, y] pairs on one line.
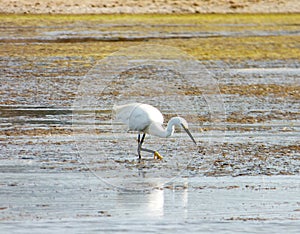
[[157, 156]]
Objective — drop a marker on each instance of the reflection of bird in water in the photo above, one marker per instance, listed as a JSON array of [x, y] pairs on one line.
[[147, 119]]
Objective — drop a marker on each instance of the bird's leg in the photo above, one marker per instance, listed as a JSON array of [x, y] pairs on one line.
[[140, 142], [143, 138], [139, 146]]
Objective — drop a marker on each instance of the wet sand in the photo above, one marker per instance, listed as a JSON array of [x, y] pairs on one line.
[[59, 169], [147, 6]]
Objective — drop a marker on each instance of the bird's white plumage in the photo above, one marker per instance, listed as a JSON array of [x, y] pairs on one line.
[[138, 116], [148, 119]]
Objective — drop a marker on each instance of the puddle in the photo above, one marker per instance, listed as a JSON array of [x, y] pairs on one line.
[[264, 71]]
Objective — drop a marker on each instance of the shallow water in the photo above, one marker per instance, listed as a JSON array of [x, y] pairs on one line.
[[79, 202], [95, 31], [60, 165]]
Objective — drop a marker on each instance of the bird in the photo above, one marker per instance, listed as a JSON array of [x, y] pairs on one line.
[[147, 119]]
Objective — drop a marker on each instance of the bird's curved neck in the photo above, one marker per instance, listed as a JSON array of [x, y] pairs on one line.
[[170, 128], [158, 130]]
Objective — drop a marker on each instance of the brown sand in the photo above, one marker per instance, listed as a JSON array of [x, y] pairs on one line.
[[148, 6]]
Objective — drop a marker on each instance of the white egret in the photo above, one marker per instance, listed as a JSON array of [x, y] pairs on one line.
[[147, 119]]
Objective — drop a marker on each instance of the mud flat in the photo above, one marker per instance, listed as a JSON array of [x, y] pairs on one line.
[[58, 174], [147, 6]]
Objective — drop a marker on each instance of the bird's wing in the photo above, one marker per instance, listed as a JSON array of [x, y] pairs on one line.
[[143, 116], [123, 112], [137, 116]]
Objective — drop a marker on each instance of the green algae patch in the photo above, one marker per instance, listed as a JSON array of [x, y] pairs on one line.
[[81, 51], [223, 48], [204, 36], [241, 48], [197, 19]]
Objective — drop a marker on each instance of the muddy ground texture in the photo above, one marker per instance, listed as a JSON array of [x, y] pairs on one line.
[[244, 174], [258, 79]]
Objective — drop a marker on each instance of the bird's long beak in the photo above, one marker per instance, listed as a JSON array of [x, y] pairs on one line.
[[189, 133]]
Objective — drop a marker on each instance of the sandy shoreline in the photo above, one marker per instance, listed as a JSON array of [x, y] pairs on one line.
[[147, 6]]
